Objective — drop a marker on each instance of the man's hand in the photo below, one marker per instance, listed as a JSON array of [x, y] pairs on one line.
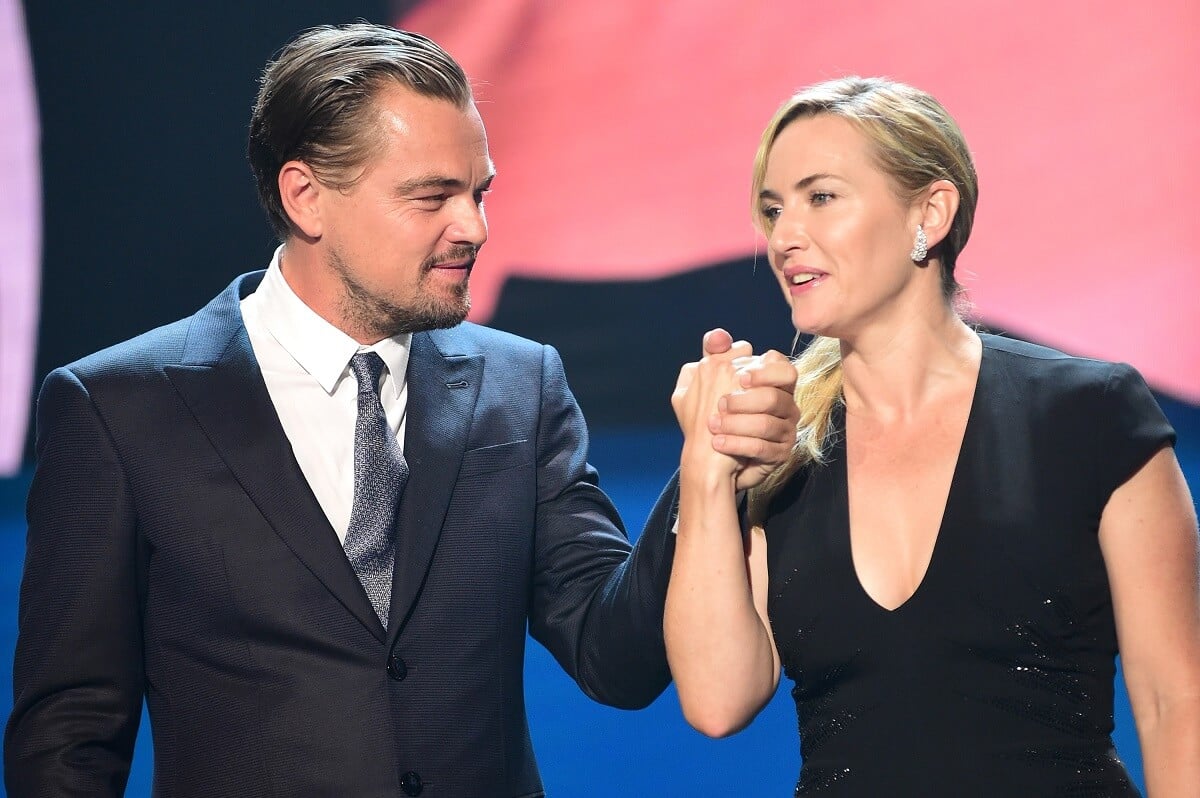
[[700, 388]]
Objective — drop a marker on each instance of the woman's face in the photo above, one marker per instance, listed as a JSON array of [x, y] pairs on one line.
[[837, 235]]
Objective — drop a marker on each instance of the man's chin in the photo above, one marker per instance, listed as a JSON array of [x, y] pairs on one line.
[[444, 322], [434, 318], [456, 314]]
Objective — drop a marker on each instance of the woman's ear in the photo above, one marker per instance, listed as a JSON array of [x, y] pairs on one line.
[[936, 211], [299, 192]]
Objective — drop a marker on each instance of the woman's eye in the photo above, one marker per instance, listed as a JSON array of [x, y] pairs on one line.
[[771, 213], [820, 197]]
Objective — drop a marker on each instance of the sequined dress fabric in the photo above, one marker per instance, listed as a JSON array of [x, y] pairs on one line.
[[996, 677]]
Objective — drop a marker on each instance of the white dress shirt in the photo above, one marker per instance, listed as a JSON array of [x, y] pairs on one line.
[[305, 361]]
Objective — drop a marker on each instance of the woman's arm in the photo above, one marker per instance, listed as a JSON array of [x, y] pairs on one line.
[[1148, 537], [719, 645]]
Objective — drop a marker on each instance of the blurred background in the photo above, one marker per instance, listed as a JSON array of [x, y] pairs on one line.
[[623, 134]]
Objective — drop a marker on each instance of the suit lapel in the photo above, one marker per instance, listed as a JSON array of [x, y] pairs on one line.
[[220, 381], [443, 386]]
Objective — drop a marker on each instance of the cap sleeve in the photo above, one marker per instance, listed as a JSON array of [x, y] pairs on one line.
[[1134, 427]]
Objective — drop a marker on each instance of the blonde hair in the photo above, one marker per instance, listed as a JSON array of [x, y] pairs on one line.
[[913, 140]]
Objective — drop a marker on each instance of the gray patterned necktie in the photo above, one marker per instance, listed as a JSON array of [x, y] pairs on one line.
[[380, 473]]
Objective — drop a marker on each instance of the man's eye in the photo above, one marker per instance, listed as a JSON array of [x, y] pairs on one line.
[[432, 198]]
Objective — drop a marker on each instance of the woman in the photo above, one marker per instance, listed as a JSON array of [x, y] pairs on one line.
[[969, 525]]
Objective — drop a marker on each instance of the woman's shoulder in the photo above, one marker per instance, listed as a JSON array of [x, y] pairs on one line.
[[1054, 373], [1104, 411], [1093, 397], [1037, 357]]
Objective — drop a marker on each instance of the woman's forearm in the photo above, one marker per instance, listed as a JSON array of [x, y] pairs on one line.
[[1171, 749], [719, 648]]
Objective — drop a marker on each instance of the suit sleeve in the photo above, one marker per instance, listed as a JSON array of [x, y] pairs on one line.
[[77, 673], [596, 603]]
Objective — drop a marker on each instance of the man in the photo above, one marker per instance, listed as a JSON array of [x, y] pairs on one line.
[[311, 522]]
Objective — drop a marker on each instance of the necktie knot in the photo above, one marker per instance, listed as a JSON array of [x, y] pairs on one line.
[[367, 368]]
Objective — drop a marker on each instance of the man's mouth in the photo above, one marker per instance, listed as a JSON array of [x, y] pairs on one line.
[[459, 258]]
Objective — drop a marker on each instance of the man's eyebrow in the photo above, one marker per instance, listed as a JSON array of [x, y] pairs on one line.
[[438, 181], [799, 186], [429, 181]]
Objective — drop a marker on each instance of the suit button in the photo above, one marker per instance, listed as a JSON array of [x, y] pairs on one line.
[[398, 670], [411, 783]]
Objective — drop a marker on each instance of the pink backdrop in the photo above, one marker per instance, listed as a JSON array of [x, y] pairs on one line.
[[20, 233], [623, 133]]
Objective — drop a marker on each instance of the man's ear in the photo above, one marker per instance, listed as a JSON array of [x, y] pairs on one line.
[[935, 212], [299, 191]]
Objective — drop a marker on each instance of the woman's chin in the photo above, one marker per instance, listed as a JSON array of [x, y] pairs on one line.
[[807, 325]]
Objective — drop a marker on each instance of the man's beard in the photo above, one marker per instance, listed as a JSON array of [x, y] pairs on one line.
[[380, 318]]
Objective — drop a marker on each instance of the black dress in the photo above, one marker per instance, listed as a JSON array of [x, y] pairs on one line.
[[996, 677]]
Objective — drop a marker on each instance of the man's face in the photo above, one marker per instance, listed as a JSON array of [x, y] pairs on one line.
[[399, 245]]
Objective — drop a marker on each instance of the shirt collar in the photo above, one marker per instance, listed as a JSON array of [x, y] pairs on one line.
[[317, 346]]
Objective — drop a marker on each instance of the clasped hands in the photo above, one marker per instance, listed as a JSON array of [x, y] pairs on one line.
[[737, 410]]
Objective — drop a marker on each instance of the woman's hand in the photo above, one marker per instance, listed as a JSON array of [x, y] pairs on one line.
[[741, 405]]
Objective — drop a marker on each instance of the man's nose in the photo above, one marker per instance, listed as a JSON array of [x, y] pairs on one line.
[[469, 225]]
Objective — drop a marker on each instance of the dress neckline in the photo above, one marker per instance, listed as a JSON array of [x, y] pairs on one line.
[[965, 447]]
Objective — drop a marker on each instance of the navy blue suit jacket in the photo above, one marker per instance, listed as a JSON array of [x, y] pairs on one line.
[[176, 552]]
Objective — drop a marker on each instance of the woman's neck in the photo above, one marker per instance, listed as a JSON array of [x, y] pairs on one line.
[[892, 374]]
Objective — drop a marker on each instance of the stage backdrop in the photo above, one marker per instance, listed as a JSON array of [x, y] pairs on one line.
[[623, 133], [20, 233]]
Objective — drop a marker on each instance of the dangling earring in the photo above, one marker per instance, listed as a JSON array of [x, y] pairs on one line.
[[920, 246]]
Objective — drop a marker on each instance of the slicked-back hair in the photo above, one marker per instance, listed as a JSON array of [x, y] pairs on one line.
[[316, 102]]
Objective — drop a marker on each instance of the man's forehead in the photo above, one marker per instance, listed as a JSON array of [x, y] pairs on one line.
[[421, 127], [397, 99]]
